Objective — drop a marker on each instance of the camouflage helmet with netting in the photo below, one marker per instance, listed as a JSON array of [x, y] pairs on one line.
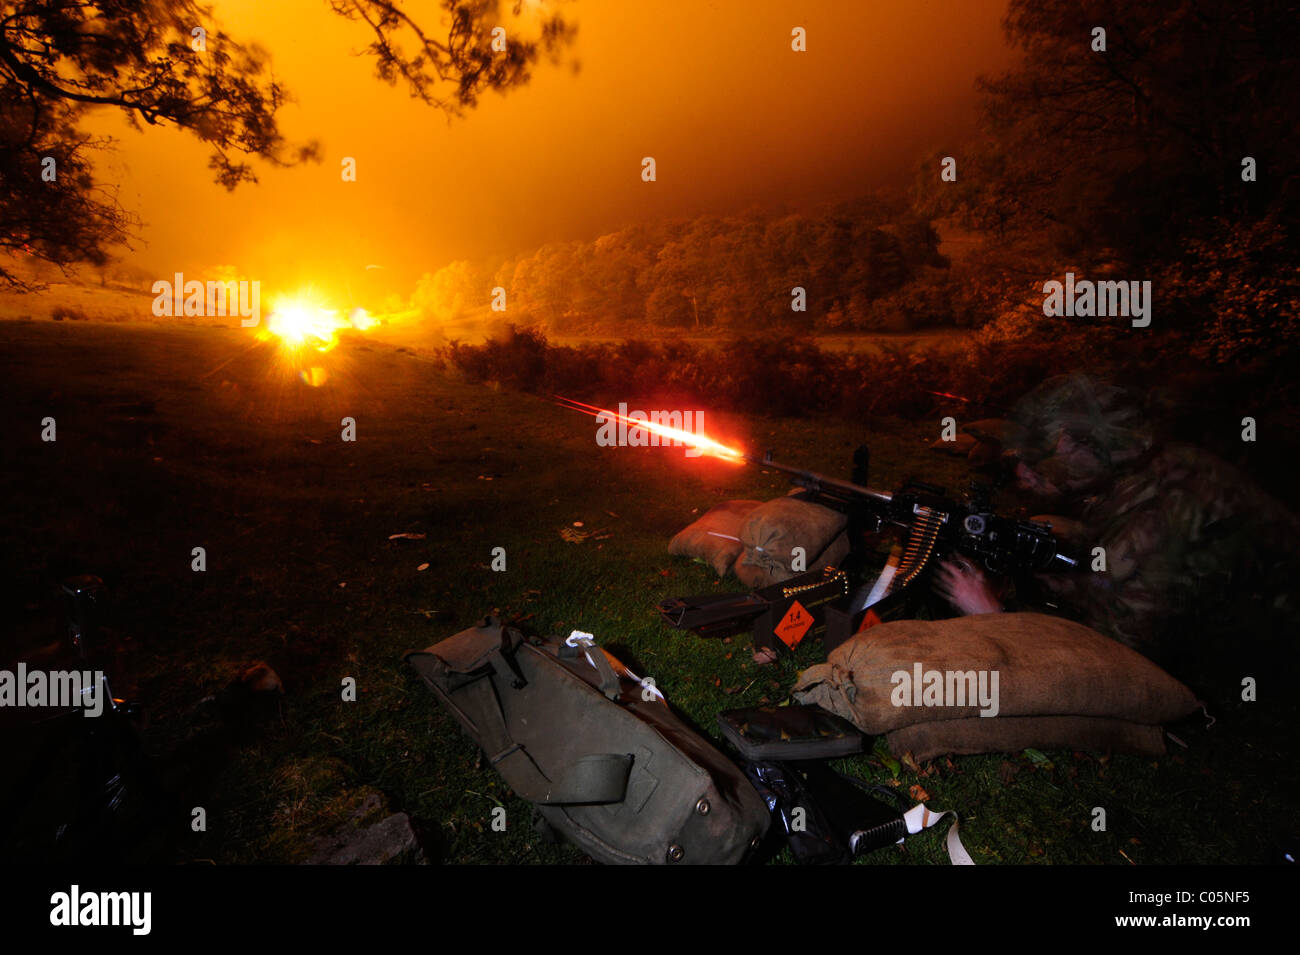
[[1095, 414]]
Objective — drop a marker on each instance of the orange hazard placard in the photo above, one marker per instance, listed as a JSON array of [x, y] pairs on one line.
[[869, 621], [793, 625]]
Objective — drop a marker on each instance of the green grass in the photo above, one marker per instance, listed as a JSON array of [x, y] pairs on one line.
[[162, 447]]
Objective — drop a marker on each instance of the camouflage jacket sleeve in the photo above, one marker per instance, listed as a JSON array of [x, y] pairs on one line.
[[1188, 530]]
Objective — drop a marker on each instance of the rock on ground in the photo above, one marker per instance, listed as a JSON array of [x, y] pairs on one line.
[[387, 841]]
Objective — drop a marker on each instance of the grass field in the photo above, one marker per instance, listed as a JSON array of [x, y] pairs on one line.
[[171, 438]]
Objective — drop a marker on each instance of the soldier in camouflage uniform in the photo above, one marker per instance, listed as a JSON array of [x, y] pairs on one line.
[[1186, 535]]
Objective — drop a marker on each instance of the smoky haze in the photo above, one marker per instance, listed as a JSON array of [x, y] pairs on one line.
[[733, 117]]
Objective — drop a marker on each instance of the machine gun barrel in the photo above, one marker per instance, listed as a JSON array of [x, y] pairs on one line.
[[813, 481]]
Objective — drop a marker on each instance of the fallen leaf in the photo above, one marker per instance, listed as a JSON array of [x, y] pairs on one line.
[[917, 792], [406, 536], [910, 762], [423, 567], [881, 752], [1007, 772]]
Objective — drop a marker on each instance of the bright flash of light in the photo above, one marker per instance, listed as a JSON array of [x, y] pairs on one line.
[[303, 328], [300, 323], [688, 438]]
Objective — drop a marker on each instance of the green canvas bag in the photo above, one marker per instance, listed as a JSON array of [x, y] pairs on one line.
[[607, 763]]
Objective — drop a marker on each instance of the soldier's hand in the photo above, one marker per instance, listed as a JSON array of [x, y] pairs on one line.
[[965, 587]]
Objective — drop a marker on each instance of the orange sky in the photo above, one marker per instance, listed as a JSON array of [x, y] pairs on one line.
[[712, 90]]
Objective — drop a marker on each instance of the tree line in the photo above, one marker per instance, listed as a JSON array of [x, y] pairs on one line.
[[795, 272]]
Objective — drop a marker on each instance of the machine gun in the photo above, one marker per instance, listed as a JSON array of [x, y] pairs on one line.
[[934, 527]]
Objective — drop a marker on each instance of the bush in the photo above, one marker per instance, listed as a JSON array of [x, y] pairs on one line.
[[791, 376], [518, 358], [779, 376], [1238, 292]]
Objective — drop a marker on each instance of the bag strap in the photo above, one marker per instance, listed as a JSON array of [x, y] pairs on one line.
[[510, 642], [610, 684], [921, 817]]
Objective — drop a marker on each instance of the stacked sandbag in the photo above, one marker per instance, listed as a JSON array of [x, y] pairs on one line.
[[757, 541], [773, 531], [715, 537], [981, 442], [1058, 685]]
